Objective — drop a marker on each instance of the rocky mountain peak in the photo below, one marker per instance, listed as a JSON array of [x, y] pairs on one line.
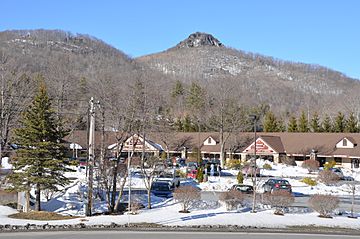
[[199, 39]]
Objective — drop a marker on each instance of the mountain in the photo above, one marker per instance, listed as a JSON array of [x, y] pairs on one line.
[[285, 86], [77, 67]]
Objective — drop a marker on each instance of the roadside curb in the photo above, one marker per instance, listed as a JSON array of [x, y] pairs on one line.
[[157, 227]]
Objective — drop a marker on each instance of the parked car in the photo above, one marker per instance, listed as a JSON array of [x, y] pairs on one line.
[[250, 171], [277, 184], [338, 172], [161, 189], [173, 180], [192, 165], [181, 162], [83, 163], [248, 189], [191, 173]]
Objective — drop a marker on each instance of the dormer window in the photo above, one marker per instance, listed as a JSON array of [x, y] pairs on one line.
[[344, 142], [209, 141]]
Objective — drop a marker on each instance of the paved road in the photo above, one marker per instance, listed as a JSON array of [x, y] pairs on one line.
[[163, 235]]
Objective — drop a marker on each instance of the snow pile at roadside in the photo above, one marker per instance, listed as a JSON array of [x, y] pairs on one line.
[[167, 214], [5, 163]]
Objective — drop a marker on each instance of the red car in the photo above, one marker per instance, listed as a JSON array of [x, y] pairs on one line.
[[192, 174]]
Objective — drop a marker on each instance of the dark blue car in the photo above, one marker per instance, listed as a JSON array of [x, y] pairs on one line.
[[161, 189]]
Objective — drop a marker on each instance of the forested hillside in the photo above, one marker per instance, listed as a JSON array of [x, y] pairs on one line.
[[197, 84]]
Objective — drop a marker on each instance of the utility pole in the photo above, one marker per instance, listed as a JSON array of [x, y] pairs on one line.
[[91, 158], [253, 210]]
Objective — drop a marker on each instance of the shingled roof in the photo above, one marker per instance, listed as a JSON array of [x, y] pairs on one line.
[[282, 142]]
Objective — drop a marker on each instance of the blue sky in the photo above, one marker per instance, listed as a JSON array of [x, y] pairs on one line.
[[324, 32]]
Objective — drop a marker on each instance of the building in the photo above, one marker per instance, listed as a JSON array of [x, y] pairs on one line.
[[278, 147]]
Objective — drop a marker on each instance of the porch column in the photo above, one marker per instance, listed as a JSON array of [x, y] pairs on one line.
[[276, 158]]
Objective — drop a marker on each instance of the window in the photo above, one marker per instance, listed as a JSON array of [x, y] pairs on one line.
[[209, 140], [338, 160], [344, 142]]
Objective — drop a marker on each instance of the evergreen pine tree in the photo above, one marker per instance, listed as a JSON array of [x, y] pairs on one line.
[[351, 124], [40, 161], [178, 90], [196, 98], [270, 122], [281, 125], [315, 123], [340, 122], [327, 124], [303, 123], [292, 125]]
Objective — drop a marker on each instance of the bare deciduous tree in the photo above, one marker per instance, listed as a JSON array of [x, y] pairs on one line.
[[150, 171], [324, 204], [279, 199], [311, 165], [328, 177], [233, 199], [186, 195]]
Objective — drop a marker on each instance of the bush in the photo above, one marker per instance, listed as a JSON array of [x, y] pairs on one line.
[[311, 165], [329, 165], [279, 199], [267, 166], [232, 199], [240, 177], [328, 177], [324, 204], [181, 173], [200, 175], [233, 164], [187, 196], [309, 181]]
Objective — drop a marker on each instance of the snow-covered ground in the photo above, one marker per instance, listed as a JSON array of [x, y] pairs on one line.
[[71, 201]]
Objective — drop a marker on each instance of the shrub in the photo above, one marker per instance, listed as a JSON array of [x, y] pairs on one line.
[[309, 181], [200, 175], [232, 199], [324, 204], [240, 177], [267, 166], [233, 164], [279, 199], [187, 196], [135, 206], [329, 165], [181, 173], [328, 177], [311, 165]]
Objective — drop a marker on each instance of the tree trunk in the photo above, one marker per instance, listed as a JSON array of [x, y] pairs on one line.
[[27, 203], [113, 193], [222, 148], [121, 191], [149, 198], [37, 198]]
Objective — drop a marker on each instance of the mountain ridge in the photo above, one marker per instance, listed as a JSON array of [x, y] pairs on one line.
[[79, 59]]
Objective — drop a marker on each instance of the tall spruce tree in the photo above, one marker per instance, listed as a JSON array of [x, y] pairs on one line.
[[327, 124], [292, 125], [270, 122], [340, 122], [303, 123], [351, 124], [39, 162], [315, 123]]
